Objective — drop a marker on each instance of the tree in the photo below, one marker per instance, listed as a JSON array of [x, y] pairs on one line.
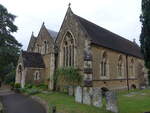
[[9, 46], [145, 33], [66, 77]]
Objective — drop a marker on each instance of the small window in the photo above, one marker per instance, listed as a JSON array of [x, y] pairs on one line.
[[120, 66], [45, 46], [37, 75], [104, 65]]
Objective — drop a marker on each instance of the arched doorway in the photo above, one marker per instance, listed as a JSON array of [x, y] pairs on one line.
[[133, 86], [20, 76], [104, 90]]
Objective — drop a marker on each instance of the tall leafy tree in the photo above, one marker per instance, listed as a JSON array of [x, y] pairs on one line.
[[9, 46], [145, 33]]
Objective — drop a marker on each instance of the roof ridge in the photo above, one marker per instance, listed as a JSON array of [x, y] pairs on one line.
[[103, 37], [106, 29]]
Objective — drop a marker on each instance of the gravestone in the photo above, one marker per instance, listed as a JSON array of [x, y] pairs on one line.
[[111, 101], [97, 97], [87, 95], [78, 94], [70, 92]]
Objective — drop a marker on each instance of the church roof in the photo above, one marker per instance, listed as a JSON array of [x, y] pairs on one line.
[[105, 38], [53, 33], [31, 43], [33, 60]]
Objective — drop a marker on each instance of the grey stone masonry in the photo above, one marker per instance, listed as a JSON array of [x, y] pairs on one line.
[[97, 97], [111, 101], [78, 94]]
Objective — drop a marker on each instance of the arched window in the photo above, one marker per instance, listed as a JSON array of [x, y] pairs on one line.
[[104, 64], [37, 75], [38, 48], [132, 67], [120, 66], [45, 46], [68, 47]]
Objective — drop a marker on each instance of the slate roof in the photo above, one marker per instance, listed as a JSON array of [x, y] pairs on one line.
[[31, 59], [105, 38], [53, 33]]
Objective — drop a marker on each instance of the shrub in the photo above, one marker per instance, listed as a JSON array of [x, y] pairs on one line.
[[28, 86], [43, 86], [12, 84], [23, 90], [32, 91], [17, 85]]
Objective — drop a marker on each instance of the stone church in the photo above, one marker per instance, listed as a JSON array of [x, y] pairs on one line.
[[105, 59]]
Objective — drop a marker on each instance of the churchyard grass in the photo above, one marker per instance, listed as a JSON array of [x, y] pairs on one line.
[[137, 101], [66, 104]]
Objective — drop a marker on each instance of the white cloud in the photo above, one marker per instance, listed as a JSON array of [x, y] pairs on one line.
[[119, 16]]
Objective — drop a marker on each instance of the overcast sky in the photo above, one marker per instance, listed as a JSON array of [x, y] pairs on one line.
[[118, 16]]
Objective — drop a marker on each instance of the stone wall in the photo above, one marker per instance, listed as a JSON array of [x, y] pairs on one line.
[[113, 80]]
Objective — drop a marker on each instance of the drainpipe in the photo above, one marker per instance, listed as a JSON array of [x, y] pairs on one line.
[[127, 72]]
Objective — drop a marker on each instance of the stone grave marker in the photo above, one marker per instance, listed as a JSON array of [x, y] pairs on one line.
[[97, 97], [111, 101], [78, 94]]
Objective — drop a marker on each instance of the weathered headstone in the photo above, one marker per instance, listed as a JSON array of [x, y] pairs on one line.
[[87, 95], [78, 94], [97, 97], [71, 91], [111, 101]]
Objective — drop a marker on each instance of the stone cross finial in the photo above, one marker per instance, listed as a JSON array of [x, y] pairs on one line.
[[69, 4], [134, 40]]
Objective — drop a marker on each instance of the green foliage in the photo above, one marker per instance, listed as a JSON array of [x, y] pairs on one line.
[[31, 91], [9, 46], [145, 33], [68, 76], [10, 77], [28, 86], [42, 86], [17, 85]]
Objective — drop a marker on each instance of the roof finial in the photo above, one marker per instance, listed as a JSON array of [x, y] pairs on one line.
[[134, 40], [69, 4], [32, 33]]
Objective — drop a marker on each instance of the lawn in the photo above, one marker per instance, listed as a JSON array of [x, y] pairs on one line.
[[135, 102]]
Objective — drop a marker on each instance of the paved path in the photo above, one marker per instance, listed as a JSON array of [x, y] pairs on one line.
[[17, 103]]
